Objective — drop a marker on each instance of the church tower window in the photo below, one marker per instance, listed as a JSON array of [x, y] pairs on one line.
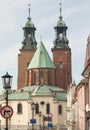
[[60, 65], [41, 77], [34, 78]]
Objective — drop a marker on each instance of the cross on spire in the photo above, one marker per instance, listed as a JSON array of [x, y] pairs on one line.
[[29, 10], [60, 9], [60, 12]]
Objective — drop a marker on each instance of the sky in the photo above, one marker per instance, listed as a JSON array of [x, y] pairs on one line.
[[44, 14]]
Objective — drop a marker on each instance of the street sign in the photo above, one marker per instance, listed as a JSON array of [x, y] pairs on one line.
[[47, 118], [50, 125], [32, 121], [6, 111]]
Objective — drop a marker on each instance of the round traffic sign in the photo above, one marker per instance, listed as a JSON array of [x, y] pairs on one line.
[[6, 111]]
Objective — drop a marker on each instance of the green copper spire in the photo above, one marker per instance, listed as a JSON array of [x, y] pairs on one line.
[[29, 23], [61, 40], [29, 41], [41, 58]]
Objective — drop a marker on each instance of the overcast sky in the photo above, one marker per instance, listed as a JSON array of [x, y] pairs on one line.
[[44, 14]]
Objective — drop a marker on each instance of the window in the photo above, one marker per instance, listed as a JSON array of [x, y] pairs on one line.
[[34, 78], [61, 65], [47, 108], [37, 108], [41, 77], [60, 109], [48, 77], [60, 36], [19, 108]]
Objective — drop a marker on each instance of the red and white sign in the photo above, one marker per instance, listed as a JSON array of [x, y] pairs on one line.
[[6, 111]]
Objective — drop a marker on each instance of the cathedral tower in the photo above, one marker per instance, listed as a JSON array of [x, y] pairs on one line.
[[62, 55], [27, 51]]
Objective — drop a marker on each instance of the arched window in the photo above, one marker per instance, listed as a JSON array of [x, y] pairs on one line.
[[37, 108], [47, 108], [19, 108], [60, 109]]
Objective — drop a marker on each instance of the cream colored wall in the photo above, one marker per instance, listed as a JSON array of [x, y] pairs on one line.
[[24, 118], [53, 109], [18, 119]]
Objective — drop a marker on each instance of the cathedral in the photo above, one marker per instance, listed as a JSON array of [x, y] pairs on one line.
[[42, 81]]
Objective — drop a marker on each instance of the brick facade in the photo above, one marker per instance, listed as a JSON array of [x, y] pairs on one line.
[[33, 77], [62, 61], [24, 59]]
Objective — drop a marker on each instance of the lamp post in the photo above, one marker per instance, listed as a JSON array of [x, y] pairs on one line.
[[0, 124], [40, 114], [7, 81], [43, 122], [33, 108]]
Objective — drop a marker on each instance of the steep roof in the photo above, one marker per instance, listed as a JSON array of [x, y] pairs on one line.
[[86, 70], [87, 56], [41, 58]]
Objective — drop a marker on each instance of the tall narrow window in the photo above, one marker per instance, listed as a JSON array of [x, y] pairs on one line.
[[41, 77], [49, 83], [34, 78], [19, 108], [60, 109], [60, 36], [37, 108], [47, 108]]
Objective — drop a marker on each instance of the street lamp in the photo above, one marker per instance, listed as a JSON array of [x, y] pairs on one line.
[[33, 108], [40, 114], [7, 82]]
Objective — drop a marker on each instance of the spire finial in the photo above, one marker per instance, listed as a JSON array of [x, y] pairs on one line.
[[60, 9], [29, 9], [60, 12], [29, 18]]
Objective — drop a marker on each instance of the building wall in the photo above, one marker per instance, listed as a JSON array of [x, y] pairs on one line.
[[23, 118], [71, 108], [81, 99], [24, 59], [62, 61]]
